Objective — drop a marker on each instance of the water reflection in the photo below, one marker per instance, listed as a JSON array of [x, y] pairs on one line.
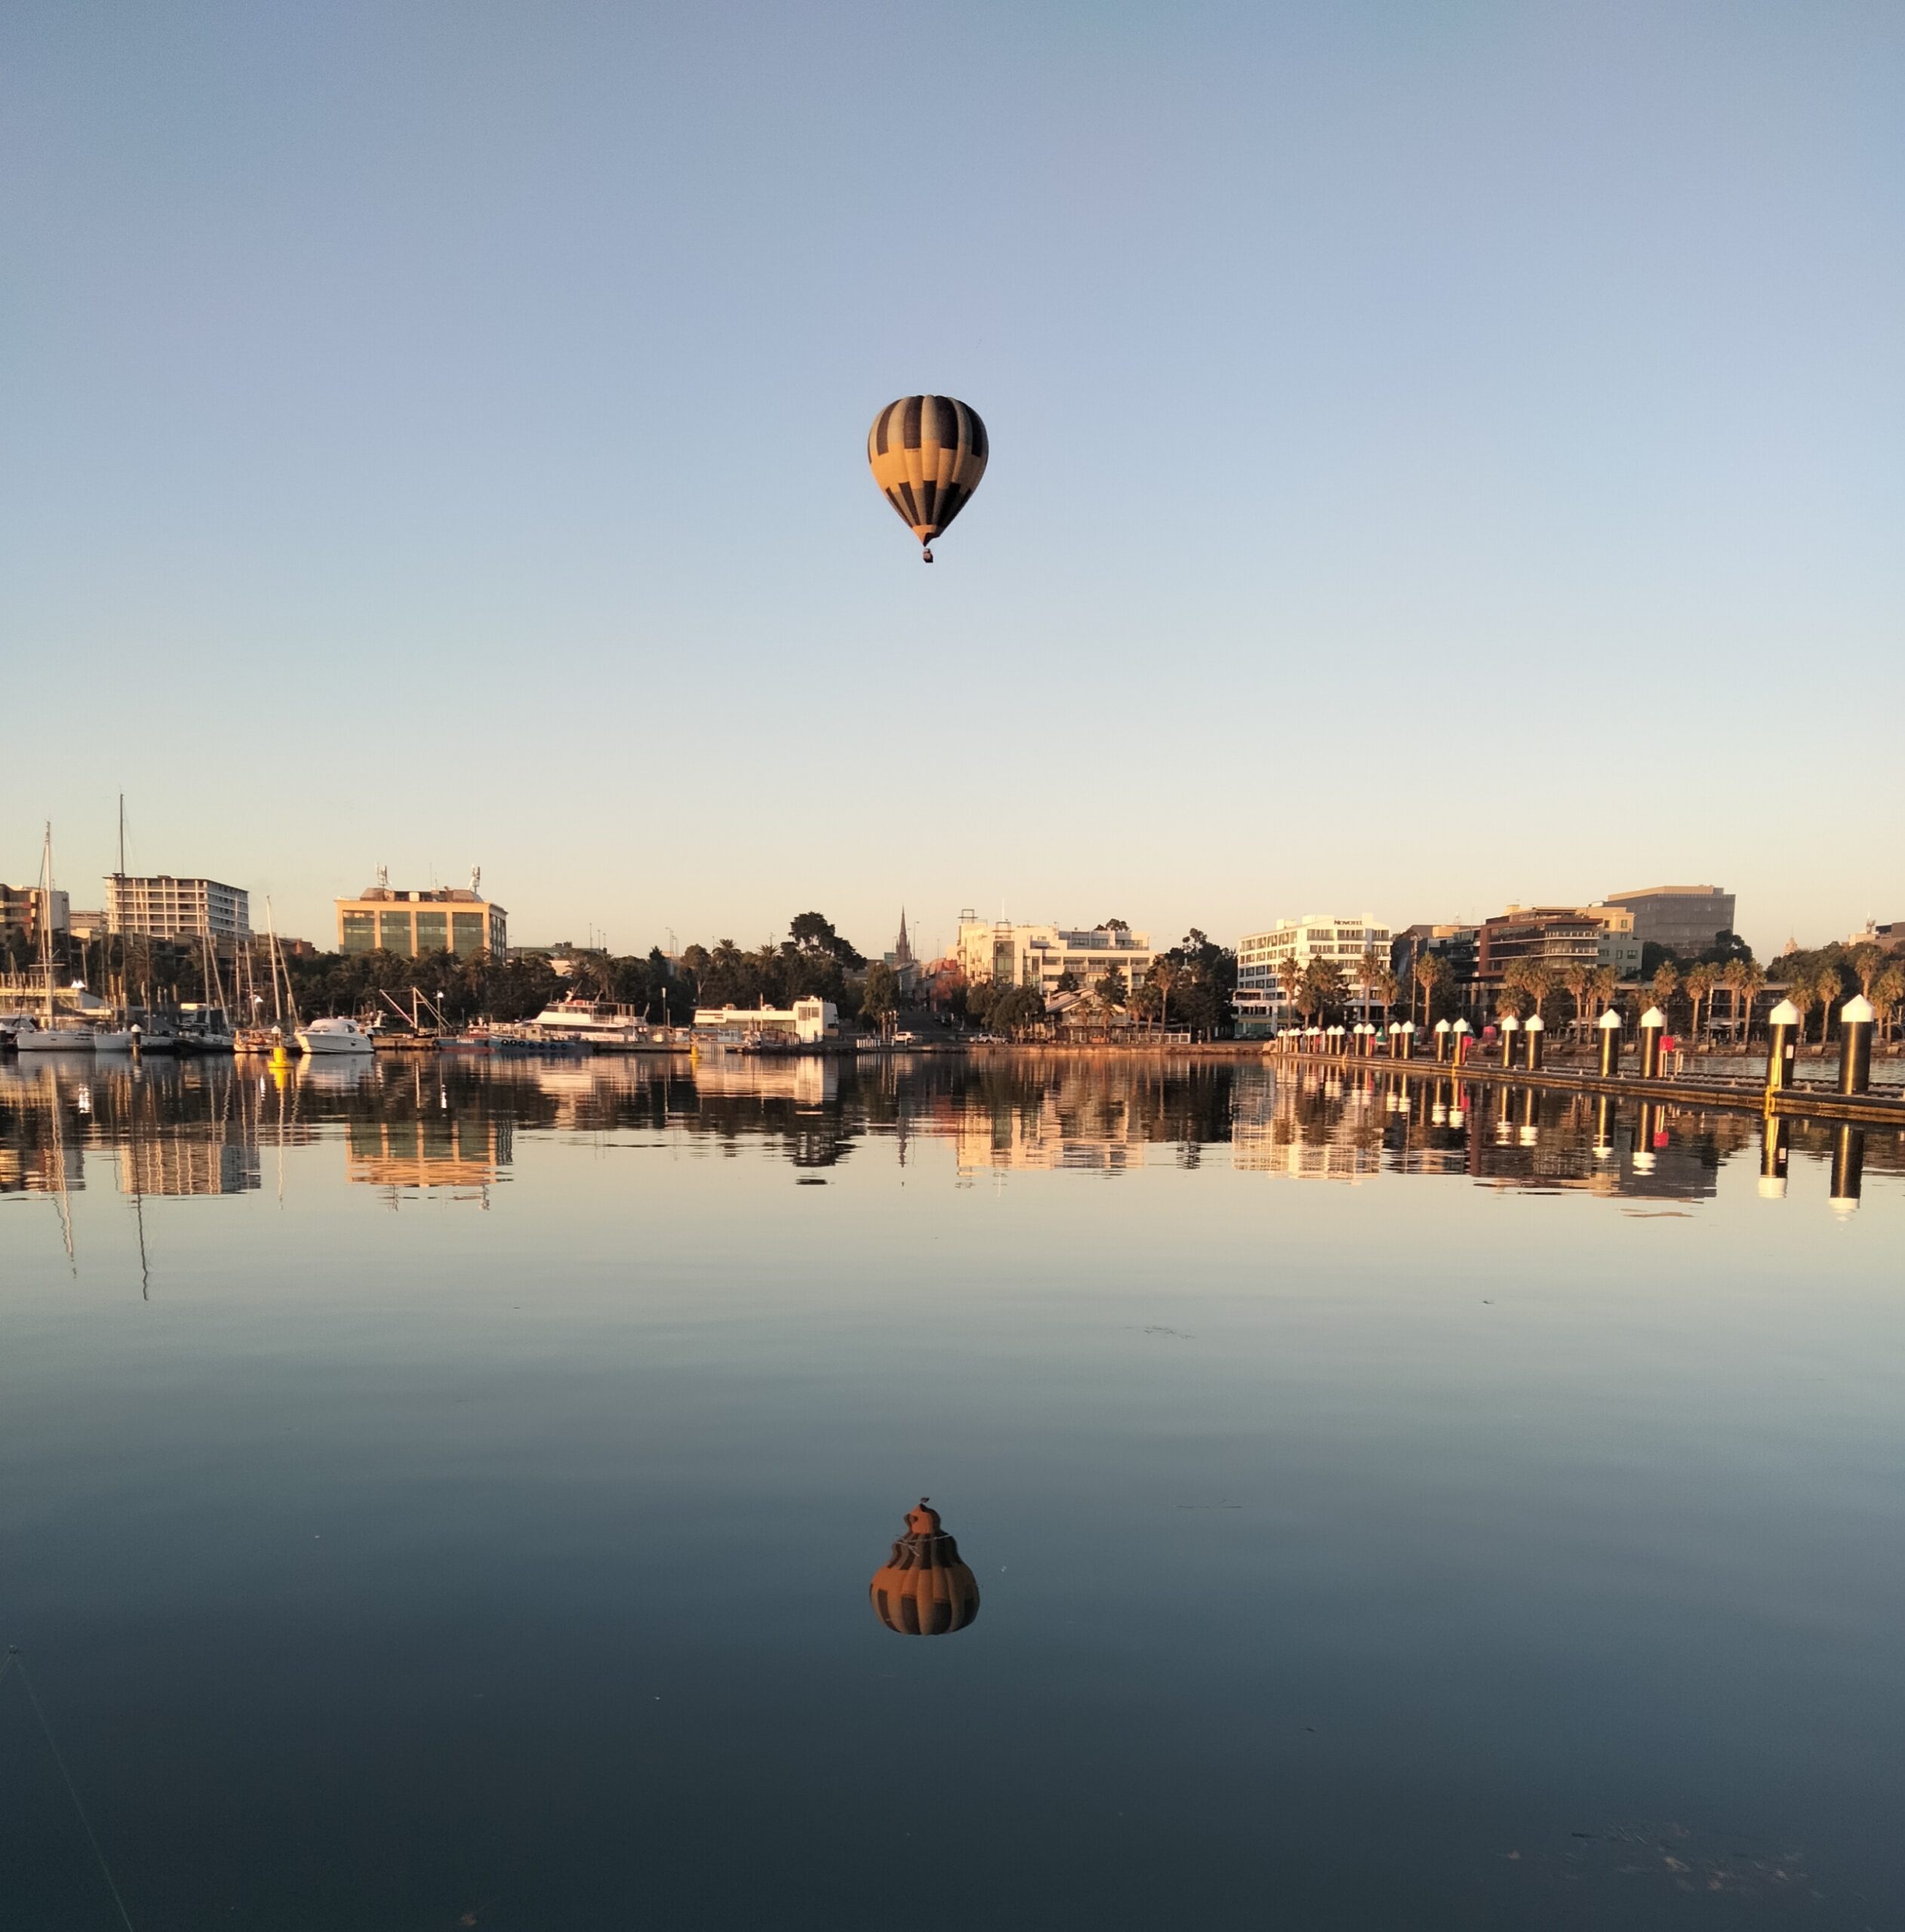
[[1432, 1524], [923, 1589], [448, 1128]]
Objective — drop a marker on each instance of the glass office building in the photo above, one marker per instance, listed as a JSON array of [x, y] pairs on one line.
[[455, 919]]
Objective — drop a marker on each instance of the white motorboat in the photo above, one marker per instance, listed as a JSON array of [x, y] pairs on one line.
[[334, 1036]]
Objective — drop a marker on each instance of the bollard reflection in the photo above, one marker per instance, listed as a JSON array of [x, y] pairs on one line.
[[1849, 1168], [1775, 1143], [923, 1589]]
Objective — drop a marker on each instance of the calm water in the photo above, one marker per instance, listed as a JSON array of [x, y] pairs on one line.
[[433, 1496]]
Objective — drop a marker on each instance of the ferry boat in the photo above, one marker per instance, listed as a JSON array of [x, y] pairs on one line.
[[600, 1023]]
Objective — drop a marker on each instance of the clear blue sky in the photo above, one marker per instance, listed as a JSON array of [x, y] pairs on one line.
[[433, 434]]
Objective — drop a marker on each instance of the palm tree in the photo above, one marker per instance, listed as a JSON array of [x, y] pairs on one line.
[[1288, 974], [1601, 985], [1700, 982], [1431, 972], [1165, 974], [1328, 981], [1386, 988], [1302, 993], [1887, 992], [1802, 994], [1667, 983], [1733, 977], [1537, 979], [1829, 987], [1866, 961], [1747, 978], [1578, 978], [1371, 964]]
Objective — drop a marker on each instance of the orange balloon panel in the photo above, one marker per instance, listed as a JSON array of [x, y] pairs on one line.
[[928, 454], [923, 1589]]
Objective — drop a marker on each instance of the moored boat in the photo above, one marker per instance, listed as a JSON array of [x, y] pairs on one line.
[[31, 1038], [334, 1036]]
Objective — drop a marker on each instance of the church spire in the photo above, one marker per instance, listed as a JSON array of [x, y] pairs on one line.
[[902, 946]]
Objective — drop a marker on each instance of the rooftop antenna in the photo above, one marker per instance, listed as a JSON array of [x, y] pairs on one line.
[[384, 875], [475, 877]]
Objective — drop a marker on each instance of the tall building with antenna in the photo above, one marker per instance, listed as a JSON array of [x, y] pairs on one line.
[[416, 923]]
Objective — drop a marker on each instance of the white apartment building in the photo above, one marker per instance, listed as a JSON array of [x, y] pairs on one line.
[[1263, 1002], [1041, 955], [163, 907]]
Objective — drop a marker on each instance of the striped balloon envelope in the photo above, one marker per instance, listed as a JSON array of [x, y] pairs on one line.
[[923, 1589], [928, 454]]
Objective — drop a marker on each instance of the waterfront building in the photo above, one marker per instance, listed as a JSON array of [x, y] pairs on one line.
[[21, 908], [1040, 956], [415, 924], [1687, 920], [1563, 936], [1456, 945], [1263, 1002], [807, 1022], [1891, 935], [164, 907]]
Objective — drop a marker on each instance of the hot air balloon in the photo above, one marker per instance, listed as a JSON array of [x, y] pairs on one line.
[[923, 1589], [928, 454]]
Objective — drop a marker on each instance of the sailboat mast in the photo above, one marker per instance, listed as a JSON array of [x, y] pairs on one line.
[[46, 926], [119, 884]]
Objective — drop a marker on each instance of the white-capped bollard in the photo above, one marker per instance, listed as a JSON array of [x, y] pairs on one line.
[[1460, 1036], [1394, 1039], [1442, 1041], [1782, 1046], [1609, 1024], [1408, 1039], [1856, 1022], [1535, 1032], [1653, 1026], [1510, 1027]]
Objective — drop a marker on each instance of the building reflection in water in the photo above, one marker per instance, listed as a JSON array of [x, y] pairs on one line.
[[417, 1154], [448, 1127], [923, 1588]]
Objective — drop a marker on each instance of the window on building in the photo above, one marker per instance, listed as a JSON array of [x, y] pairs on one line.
[[360, 932], [432, 932], [468, 927], [394, 931]]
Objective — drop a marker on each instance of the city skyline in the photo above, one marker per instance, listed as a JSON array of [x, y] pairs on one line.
[[935, 932], [1407, 480]]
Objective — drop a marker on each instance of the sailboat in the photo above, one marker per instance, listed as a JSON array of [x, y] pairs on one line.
[[258, 1039], [49, 1036]]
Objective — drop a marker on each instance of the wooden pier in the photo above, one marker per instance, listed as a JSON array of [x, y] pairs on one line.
[[1800, 1102]]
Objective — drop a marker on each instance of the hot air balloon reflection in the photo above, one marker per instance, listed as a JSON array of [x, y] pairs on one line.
[[928, 454], [923, 1589]]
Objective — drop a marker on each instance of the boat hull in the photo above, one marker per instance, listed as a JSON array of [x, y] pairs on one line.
[[327, 1046]]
